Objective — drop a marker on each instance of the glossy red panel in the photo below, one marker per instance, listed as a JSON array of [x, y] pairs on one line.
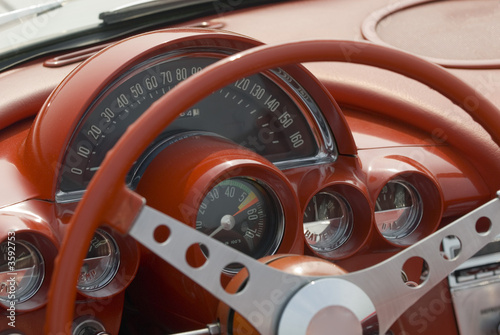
[[388, 128]]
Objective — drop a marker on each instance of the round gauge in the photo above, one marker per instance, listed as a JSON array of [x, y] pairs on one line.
[[398, 209], [241, 213], [255, 112], [101, 264], [22, 270], [328, 222]]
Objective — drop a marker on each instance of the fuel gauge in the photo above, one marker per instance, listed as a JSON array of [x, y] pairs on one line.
[[22, 271], [398, 209], [101, 264]]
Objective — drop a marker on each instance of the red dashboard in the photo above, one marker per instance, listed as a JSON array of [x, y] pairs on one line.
[[280, 132]]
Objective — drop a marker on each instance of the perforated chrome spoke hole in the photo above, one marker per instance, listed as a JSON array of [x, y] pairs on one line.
[[197, 255], [161, 234], [415, 272], [243, 275], [450, 247], [483, 225]]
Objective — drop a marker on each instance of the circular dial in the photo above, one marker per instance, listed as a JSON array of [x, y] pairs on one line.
[[242, 214], [255, 112], [398, 209], [22, 271], [328, 222], [101, 264]]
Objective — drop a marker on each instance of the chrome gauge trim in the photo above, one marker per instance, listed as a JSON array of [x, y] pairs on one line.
[[391, 205], [22, 273], [143, 162], [273, 215], [328, 222], [95, 262], [317, 124], [321, 158], [87, 325], [330, 152]]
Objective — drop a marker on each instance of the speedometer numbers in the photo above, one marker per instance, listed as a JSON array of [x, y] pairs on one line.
[[242, 214], [257, 112]]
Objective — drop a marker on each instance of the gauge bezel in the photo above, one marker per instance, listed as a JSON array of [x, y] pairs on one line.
[[110, 271], [356, 196], [45, 146], [179, 189], [347, 223], [126, 271], [43, 242], [320, 131], [278, 215], [414, 217], [431, 205], [37, 279]]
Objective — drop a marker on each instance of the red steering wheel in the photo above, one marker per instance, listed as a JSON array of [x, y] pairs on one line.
[[108, 201]]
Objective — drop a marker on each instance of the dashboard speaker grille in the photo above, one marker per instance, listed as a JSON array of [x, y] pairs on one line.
[[459, 32]]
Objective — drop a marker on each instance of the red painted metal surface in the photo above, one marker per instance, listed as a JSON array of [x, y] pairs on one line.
[[455, 164]]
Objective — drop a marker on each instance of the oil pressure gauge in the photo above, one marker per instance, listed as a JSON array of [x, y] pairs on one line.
[[328, 222], [398, 209]]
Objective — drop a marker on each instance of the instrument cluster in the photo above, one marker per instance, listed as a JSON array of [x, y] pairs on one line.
[[267, 165]]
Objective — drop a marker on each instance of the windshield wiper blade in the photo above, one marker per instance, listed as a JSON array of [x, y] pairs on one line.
[[17, 14], [145, 8]]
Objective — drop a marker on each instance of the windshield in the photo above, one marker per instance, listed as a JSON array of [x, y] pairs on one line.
[[30, 28], [27, 22]]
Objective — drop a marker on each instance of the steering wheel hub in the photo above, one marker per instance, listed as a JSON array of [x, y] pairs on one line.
[[333, 304]]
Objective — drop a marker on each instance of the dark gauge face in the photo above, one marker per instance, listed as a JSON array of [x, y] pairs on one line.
[[255, 112], [398, 209], [101, 264], [241, 213], [328, 222], [22, 271]]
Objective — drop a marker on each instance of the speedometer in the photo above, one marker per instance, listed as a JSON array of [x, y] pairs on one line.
[[260, 112]]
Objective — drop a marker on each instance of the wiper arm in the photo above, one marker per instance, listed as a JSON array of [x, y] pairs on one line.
[[145, 8], [17, 14]]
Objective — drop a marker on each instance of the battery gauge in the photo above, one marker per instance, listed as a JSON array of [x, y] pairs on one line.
[[328, 222]]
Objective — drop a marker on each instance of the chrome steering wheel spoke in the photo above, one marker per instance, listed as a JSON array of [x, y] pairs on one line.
[[273, 301], [383, 282], [265, 293]]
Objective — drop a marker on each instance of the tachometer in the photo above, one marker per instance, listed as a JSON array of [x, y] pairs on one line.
[[241, 213], [256, 112]]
